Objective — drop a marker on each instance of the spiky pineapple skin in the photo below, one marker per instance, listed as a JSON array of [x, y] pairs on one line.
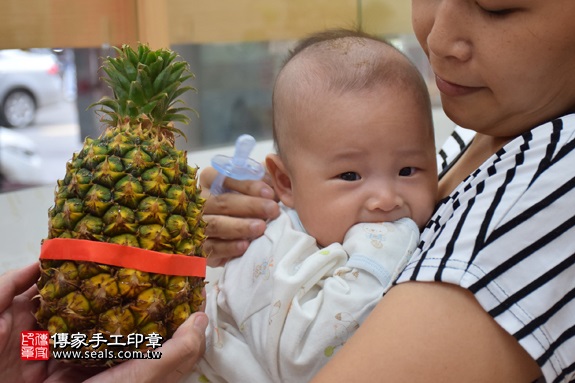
[[130, 187]]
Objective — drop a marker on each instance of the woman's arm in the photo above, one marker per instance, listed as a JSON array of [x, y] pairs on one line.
[[234, 219], [430, 332]]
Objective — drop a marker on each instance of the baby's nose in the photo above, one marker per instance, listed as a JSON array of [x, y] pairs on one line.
[[384, 198]]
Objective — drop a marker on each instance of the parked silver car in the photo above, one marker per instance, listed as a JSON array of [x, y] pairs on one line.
[[28, 81], [20, 164]]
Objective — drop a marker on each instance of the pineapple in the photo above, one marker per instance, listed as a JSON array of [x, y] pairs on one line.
[[129, 187]]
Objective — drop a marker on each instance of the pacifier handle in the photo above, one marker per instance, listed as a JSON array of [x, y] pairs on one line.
[[240, 166]]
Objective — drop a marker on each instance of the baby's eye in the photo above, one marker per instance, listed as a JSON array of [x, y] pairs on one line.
[[350, 176], [407, 171]]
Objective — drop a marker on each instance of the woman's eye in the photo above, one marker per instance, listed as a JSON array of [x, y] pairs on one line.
[[496, 12], [499, 12], [407, 171], [349, 176]]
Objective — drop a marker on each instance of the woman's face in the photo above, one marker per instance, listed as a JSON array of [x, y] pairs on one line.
[[502, 66]]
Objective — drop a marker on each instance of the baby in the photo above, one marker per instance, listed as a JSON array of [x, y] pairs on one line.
[[356, 175]]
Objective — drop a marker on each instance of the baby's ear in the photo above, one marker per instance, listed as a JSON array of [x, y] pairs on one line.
[[280, 178]]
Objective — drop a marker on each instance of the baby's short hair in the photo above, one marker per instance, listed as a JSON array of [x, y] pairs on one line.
[[346, 58], [341, 61]]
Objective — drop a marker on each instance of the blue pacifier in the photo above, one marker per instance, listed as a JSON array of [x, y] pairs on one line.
[[239, 167]]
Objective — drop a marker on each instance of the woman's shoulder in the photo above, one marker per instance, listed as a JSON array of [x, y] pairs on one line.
[[521, 194], [506, 234], [558, 131], [554, 134], [453, 147]]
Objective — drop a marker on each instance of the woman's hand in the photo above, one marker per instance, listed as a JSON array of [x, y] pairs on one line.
[[234, 219], [179, 354], [16, 291]]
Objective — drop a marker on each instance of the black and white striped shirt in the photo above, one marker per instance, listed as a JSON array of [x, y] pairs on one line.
[[507, 234]]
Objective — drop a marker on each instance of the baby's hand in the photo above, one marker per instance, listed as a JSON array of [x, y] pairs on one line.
[[368, 239], [382, 249]]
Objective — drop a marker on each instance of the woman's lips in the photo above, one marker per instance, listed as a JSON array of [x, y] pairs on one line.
[[453, 90]]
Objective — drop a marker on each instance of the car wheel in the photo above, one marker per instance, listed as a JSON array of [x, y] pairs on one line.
[[18, 109]]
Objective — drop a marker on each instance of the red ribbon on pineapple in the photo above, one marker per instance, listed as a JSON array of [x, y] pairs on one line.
[[123, 256]]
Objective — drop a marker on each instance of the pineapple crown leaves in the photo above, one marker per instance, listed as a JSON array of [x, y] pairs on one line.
[[145, 83]]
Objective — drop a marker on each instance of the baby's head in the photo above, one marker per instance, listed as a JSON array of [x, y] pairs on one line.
[[354, 135]]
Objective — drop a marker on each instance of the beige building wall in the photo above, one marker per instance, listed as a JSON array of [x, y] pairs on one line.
[[88, 23], [66, 23]]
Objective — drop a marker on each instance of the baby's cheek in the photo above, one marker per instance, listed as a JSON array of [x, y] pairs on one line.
[[327, 234]]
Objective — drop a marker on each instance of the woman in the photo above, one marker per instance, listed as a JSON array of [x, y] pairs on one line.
[[498, 252], [497, 255]]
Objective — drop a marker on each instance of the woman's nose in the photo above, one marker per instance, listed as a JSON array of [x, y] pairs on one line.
[[447, 37]]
